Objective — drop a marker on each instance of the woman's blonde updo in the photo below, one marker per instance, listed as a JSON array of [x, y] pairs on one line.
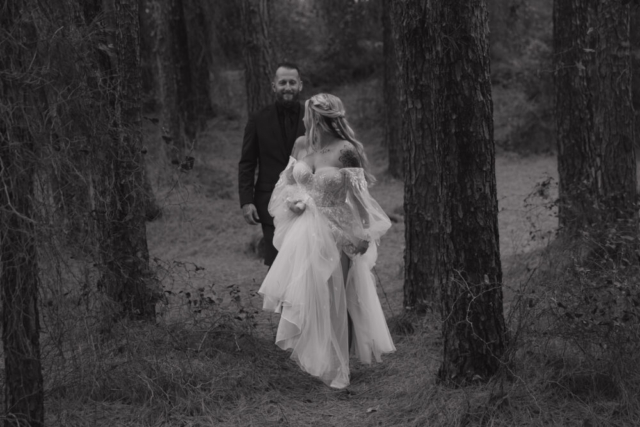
[[325, 113]]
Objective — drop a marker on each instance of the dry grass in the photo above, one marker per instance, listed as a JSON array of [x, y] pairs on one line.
[[210, 359]]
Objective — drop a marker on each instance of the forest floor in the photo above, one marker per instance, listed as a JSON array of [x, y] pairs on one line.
[[211, 359]]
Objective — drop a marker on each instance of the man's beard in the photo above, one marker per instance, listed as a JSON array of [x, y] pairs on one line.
[[295, 96]]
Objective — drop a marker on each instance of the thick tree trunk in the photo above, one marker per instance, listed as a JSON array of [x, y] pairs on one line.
[[259, 67], [635, 69], [59, 25], [450, 187], [23, 387], [594, 112], [423, 198], [120, 201], [392, 113]]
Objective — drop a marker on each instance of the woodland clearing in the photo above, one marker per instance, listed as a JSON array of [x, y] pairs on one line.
[[210, 360]]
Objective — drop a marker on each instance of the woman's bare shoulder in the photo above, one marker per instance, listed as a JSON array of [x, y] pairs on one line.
[[348, 156], [300, 148]]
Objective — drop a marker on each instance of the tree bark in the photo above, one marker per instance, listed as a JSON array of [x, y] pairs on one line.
[[635, 69], [172, 60], [23, 391], [450, 188], [257, 53], [594, 113], [182, 61], [119, 198], [182, 52], [200, 39], [23, 388], [392, 113]]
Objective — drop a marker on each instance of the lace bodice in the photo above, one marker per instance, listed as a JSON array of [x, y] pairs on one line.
[[328, 186], [340, 195]]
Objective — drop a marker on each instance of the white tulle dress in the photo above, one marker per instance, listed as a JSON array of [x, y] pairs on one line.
[[305, 283]]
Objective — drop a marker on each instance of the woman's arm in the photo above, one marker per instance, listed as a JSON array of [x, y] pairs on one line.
[[354, 185], [349, 159]]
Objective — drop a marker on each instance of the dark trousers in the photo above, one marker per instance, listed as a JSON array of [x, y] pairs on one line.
[[270, 251], [261, 201]]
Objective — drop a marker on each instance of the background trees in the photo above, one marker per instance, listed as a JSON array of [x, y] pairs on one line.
[[450, 189], [71, 149], [258, 53], [118, 182], [595, 117], [178, 43], [72, 173], [393, 114]]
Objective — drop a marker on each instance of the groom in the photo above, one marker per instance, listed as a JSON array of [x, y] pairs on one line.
[[267, 144]]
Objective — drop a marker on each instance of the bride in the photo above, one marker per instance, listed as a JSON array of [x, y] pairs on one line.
[[327, 231]]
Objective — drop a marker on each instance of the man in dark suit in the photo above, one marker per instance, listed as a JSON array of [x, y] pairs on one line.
[[268, 140]]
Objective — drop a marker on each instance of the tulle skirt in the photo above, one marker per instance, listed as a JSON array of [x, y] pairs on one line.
[[306, 286]]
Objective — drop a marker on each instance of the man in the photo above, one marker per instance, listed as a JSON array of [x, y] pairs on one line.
[[268, 140]]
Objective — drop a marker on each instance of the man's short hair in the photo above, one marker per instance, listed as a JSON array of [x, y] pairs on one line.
[[288, 66]]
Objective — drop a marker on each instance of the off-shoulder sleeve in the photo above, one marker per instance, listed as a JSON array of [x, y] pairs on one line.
[[285, 191], [282, 188], [370, 220]]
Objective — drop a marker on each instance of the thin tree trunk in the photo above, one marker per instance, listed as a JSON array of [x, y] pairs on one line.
[[392, 113], [23, 388], [342, 39], [594, 112], [169, 68], [182, 61], [450, 187], [257, 53], [201, 62]]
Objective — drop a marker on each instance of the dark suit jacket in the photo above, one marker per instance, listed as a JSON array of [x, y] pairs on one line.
[[264, 147]]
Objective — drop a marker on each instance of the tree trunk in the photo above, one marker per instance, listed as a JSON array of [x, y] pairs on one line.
[[340, 18], [450, 188], [258, 54], [635, 69], [23, 388], [183, 61], [594, 112], [24, 397], [173, 88], [59, 25], [392, 113], [120, 201], [150, 35], [200, 39]]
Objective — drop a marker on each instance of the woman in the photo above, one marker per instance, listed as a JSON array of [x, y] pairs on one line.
[[327, 231]]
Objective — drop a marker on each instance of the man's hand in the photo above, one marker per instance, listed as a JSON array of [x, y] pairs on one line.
[[362, 247], [250, 214]]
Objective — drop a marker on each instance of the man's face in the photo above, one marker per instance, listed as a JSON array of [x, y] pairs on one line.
[[287, 85]]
